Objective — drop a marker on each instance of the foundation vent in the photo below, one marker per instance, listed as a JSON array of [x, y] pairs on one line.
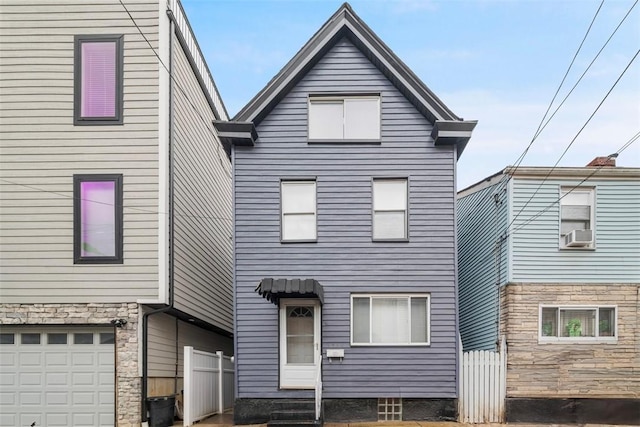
[[390, 409]]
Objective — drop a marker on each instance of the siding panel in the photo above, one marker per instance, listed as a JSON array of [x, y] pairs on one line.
[[616, 257], [202, 203], [480, 223], [344, 259], [41, 150]]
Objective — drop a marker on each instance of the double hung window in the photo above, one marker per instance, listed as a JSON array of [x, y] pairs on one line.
[[390, 209], [98, 79], [97, 219], [298, 207], [390, 319], [334, 118], [576, 217], [577, 323]]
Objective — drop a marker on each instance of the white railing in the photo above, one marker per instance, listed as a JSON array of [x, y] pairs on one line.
[[198, 58], [483, 385], [208, 384], [319, 387]]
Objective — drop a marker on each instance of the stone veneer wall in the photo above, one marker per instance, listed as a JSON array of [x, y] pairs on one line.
[[562, 370], [128, 381]]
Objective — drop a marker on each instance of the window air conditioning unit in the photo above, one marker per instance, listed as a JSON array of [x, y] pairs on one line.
[[579, 238]]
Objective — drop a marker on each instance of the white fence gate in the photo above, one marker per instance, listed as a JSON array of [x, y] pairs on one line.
[[208, 384], [483, 385]]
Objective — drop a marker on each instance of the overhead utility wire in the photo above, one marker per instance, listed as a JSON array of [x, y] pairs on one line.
[[586, 70], [576, 136], [184, 93], [505, 179], [505, 233], [57, 193], [540, 125], [620, 150]]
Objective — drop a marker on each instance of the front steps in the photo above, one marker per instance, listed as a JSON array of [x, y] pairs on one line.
[[294, 412]]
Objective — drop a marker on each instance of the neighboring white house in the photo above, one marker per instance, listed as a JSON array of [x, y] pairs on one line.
[[115, 203]]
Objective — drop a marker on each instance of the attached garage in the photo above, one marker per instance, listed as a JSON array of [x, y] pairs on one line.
[[57, 376]]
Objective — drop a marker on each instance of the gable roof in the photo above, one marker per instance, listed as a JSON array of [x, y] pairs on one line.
[[448, 128]]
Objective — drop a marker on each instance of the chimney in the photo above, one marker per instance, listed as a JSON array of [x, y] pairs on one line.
[[603, 161]]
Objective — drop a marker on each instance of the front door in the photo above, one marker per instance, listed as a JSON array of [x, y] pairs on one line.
[[299, 343]]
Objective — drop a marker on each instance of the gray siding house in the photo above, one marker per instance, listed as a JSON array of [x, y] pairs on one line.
[[115, 216], [345, 237], [550, 259]]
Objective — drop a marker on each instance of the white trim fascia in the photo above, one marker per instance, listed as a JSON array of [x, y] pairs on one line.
[[509, 237], [164, 109], [397, 75]]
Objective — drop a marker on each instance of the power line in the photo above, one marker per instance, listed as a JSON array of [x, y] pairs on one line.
[[577, 135], [543, 124], [587, 69], [540, 125], [538, 214], [158, 212]]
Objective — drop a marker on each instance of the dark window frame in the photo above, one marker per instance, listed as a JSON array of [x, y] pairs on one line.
[[77, 80], [77, 211]]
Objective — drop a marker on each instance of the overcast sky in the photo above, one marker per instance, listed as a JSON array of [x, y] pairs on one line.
[[498, 62]]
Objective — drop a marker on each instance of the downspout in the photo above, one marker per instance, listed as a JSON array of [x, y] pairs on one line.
[[145, 317]]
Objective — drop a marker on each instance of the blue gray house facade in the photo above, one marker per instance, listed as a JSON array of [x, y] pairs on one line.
[[550, 258], [345, 235]]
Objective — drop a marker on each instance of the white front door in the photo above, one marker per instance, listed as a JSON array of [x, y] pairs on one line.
[[299, 343]]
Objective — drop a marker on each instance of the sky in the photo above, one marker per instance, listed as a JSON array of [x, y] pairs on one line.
[[498, 62]]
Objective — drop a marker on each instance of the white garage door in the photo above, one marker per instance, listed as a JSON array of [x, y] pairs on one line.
[[56, 377]]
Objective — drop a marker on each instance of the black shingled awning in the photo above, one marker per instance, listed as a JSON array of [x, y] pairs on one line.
[[274, 289]]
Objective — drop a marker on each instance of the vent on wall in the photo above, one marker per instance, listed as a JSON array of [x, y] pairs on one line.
[[578, 238]]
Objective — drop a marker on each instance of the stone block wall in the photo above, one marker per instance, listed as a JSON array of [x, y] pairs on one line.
[[564, 370], [128, 385]]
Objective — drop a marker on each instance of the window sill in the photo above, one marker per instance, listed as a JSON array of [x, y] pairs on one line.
[[392, 345], [577, 248], [578, 340], [404, 240], [345, 141], [98, 122], [98, 261], [286, 242]]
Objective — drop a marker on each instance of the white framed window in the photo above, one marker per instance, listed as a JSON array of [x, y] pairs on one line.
[[577, 210], [335, 118], [298, 207], [577, 323], [385, 319], [390, 209]]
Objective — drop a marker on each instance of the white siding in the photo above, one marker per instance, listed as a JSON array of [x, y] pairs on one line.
[[41, 149], [162, 348], [202, 202]]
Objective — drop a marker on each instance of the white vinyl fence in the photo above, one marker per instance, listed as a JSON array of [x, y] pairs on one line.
[[208, 384], [483, 385]]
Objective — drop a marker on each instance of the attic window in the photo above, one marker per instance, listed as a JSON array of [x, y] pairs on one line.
[[344, 118]]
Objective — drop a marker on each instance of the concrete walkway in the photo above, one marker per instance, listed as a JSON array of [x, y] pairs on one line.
[[226, 420]]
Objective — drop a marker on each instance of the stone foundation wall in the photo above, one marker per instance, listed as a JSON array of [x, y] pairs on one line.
[[587, 370], [128, 381]]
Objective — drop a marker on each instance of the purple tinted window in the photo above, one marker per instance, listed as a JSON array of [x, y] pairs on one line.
[[98, 94], [98, 218]]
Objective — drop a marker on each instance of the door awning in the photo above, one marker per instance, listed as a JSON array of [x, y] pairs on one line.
[[274, 289]]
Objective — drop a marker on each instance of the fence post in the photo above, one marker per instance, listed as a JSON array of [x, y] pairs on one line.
[[220, 381], [187, 395]]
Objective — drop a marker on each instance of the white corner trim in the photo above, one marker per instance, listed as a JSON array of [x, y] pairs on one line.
[[163, 154]]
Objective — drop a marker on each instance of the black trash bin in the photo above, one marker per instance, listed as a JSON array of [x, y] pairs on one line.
[[161, 411]]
